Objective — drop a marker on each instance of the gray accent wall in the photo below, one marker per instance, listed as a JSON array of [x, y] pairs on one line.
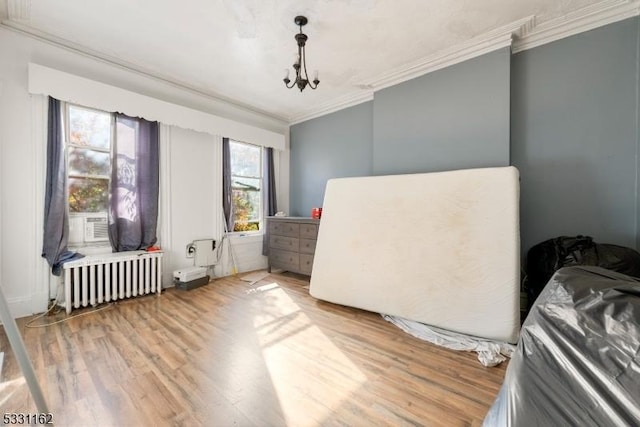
[[454, 118], [333, 146], [575, 138]]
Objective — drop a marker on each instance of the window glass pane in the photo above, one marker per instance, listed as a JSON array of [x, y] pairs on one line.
[[87, 161], [88, 127], [246, 162], [88, 195], [246, 209], [245, 159], [125, 158], [126, 130]]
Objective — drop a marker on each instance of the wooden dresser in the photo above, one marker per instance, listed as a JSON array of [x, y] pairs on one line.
[[292, 243]]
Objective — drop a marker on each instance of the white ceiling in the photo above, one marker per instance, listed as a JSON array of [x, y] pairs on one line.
[[239, 49]]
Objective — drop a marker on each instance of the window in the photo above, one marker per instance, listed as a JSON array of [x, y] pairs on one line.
[[88, 145], [112, 167], [246, 180]]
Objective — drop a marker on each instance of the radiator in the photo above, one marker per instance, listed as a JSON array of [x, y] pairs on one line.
[[109, 277]]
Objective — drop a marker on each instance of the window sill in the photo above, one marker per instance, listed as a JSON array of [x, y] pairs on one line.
[[91, 249], [245, 238]]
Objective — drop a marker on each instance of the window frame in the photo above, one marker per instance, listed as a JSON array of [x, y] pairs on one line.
[[261, 220]]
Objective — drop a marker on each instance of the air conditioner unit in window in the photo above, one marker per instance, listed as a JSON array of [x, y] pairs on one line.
[[96, 228]]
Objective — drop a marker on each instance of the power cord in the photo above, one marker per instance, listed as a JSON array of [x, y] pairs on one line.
[[30, 324]]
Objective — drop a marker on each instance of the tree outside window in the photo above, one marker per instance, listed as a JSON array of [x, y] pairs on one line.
[[246, 179]]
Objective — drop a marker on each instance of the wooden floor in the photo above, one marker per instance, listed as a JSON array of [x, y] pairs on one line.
[[234, 353]]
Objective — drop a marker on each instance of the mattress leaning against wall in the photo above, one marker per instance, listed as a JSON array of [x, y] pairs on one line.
[[437, 248], [578, 358]]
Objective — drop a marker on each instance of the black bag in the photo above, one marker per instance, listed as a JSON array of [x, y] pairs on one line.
[[547, 257]]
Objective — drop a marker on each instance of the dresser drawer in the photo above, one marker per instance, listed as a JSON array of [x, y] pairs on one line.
[[284, 228], [307, 246], [306, 264], [284, 259], [283, 242], [309, 231]]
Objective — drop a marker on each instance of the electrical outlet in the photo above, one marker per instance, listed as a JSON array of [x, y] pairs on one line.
[[191, 250]]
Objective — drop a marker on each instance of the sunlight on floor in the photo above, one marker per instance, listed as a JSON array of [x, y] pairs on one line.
[[288, 337], [8, 388]]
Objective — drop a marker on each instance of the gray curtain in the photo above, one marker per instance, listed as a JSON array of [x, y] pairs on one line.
[[133, 196], [227, 204], [269, 207], [56, 220]]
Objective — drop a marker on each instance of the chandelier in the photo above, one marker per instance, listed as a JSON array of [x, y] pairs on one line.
[[300, 64]]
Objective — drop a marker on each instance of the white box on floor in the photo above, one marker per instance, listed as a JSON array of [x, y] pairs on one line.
[[188, 274]]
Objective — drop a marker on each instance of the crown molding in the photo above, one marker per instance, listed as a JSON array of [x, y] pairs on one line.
[[334, 105], [221, 101], [477, 46], [582, 20]]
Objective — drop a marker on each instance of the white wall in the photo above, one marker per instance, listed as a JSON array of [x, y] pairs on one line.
[[190, 175], [21, 185], [24, 274]]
